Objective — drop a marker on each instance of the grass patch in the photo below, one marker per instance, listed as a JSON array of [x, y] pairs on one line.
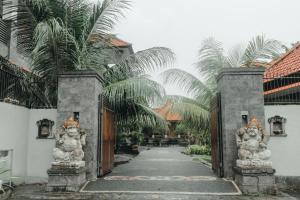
[[198, 150], [206, 158]]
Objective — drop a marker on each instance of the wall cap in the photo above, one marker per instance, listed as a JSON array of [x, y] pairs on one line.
[[240, 71], [82, 73]]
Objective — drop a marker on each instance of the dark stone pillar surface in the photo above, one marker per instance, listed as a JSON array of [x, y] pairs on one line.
[[78, 91], [241, 89]]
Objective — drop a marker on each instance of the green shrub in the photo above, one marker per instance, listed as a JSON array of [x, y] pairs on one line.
[[198, 150]]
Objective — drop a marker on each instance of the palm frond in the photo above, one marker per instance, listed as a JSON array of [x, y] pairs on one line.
[[138, 64], [108, 14], [97, 55], [260, 49], [55, 49], [211, 58], [192, 113], [135, 88], [37, 93], [33, 91], [77, 14], [148, 117], [91, 23], [138, 113], [186, 81], [183, 99], [235, 57], [147, 60], [24, 20]]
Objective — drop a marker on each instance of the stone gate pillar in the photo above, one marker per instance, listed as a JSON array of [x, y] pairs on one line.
[[241, 93], [78, 93]]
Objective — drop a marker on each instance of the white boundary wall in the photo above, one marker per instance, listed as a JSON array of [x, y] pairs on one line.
[[13, 135], [285, 150], [39, 151], [18, 131]]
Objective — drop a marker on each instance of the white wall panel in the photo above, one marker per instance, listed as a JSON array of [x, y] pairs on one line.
[[285, 150]]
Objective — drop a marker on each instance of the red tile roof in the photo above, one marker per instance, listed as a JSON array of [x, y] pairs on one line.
[[288, 64], [13, 65], [112, 39], [23, 68], [119, 43], [165, 112]]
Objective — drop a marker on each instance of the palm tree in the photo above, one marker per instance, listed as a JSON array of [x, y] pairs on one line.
[[131, 91], [210, 61], [56, 35]]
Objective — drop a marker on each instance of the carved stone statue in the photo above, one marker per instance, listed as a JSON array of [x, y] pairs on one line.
[[252, 146], [69, 142]]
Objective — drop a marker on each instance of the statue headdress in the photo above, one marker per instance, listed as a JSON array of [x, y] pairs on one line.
[[71, 123], [254, 122]]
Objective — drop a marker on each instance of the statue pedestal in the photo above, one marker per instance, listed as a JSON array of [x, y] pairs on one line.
[[253, 181], [65, 178]]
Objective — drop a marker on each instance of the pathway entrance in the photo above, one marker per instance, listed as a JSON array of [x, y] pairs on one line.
[[162, 171]]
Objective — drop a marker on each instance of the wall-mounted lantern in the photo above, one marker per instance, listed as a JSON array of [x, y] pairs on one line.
[[277, 126], [45, 128]]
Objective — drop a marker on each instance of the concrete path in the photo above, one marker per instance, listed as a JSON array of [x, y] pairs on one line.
[[162, 171]]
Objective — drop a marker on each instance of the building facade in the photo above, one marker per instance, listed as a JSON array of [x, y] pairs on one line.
[[8, 40]]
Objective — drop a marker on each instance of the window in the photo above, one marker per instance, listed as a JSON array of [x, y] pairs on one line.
[[277, 126], [5, 31], [1, 9]]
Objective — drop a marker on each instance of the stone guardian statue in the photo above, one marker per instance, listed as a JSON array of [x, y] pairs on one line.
[[69, 142], [68, 172], [253, 172], [252, 143]]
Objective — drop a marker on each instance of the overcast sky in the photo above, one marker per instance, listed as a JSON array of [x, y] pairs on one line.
[[183, 24]]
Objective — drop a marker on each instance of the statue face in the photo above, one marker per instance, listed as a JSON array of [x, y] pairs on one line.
[[72, 131], [253, 131]]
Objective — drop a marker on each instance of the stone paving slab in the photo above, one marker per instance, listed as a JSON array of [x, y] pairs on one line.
[[160, 178], [37, 192], [40, 195], [161, 186], [186, 197]]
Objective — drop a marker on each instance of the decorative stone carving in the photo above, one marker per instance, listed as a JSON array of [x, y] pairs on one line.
[[45, 128], [252, 146], [277, 126], [253, 172], [69, 142], [68, 171]]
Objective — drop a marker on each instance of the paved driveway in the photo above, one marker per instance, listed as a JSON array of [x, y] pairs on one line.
[[162, 171]]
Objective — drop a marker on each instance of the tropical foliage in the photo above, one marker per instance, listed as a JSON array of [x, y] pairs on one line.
[[211, 60], [193, 134], [198, 150], [60, 35]]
